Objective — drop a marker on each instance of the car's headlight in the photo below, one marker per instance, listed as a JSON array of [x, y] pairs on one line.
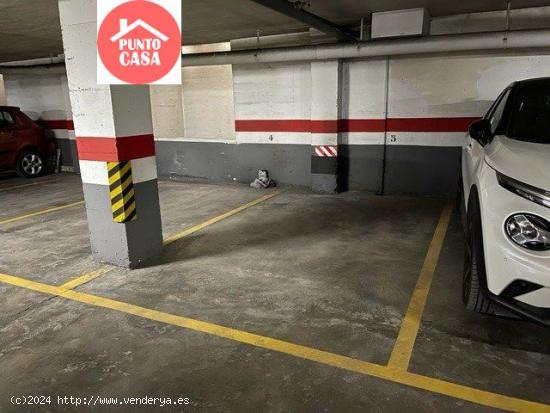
[[539, 196], [529, 231]]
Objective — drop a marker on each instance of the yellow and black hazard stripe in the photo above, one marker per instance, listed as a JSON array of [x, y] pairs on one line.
[[121, 187]]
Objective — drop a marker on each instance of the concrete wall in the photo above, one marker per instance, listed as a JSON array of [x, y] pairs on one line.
[[211, 147], [208, 103], [364, 85], [208, 98], [443, 87], [419, 106], [402, 120], [41, 97], [167, 111], [208, 111]]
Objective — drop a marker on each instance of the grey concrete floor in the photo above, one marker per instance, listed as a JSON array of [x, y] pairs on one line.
[[333, 272]]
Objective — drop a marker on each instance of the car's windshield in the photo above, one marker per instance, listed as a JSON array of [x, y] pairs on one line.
[[531, 114]]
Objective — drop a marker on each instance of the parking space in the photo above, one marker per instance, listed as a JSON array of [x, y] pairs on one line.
[[275, 206], [150, 358], [143, 357], [59, 239], [21, 197], [499, 354], [262, 272], [309, 315]]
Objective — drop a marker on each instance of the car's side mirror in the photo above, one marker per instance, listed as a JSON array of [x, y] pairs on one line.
[[480, 130]]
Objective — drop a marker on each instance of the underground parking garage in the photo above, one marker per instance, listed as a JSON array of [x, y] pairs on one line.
[[308, 206]]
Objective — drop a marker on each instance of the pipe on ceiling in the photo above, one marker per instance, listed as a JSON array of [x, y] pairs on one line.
[[41, 70], [529, 39], [42, 61], [496, 41]]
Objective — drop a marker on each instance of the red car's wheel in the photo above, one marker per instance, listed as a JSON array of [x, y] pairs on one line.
[[30, 164]]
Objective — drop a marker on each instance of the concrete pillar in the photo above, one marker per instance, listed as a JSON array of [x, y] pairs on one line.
[[325, 114], [114, 134], [3, 100], [69, 155]]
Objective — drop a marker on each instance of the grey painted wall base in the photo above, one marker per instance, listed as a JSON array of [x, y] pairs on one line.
[[324, 183], [360, 167], [414, 170], [324, 173], [127, 245], [288, 164], [422, 170], [69, 155]]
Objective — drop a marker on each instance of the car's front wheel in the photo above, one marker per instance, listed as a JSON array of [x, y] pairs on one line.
[[475, 276], [30, 163]]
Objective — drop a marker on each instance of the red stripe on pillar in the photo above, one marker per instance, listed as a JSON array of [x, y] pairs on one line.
[[115, 149]]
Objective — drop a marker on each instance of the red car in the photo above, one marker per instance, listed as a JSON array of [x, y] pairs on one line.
[[24, 146]]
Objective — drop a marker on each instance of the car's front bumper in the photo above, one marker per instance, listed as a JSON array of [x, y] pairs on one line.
[[505, 261], [540, 315]]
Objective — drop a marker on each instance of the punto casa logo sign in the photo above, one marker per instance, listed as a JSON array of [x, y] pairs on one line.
[[139, 42]]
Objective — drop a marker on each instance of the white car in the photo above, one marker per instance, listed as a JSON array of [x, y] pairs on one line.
[[506, 200]]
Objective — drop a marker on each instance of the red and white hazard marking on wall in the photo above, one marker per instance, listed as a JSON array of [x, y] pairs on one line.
[[326, 151]]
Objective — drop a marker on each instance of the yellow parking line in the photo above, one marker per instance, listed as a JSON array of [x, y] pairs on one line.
[[83, 279], [219, 218], [8, 188], [343, 362], [402, 350], [42, 212]]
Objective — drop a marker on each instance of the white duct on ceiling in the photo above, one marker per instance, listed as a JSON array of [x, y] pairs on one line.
[[499, 41], [480, 42]]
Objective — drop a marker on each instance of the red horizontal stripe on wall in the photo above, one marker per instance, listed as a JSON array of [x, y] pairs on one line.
[[455, 124], [115, 149], [57, 124], [362, 125], [357, 125], [282, 125], [324, 126], [429, 124]]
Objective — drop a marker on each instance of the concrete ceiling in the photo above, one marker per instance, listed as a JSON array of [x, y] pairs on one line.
[[30, 28]]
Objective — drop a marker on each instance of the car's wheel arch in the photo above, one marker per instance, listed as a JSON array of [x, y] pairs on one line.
[[27, 148], [474, 197]]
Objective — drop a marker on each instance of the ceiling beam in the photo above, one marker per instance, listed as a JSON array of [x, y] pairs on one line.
[[312, 20]]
